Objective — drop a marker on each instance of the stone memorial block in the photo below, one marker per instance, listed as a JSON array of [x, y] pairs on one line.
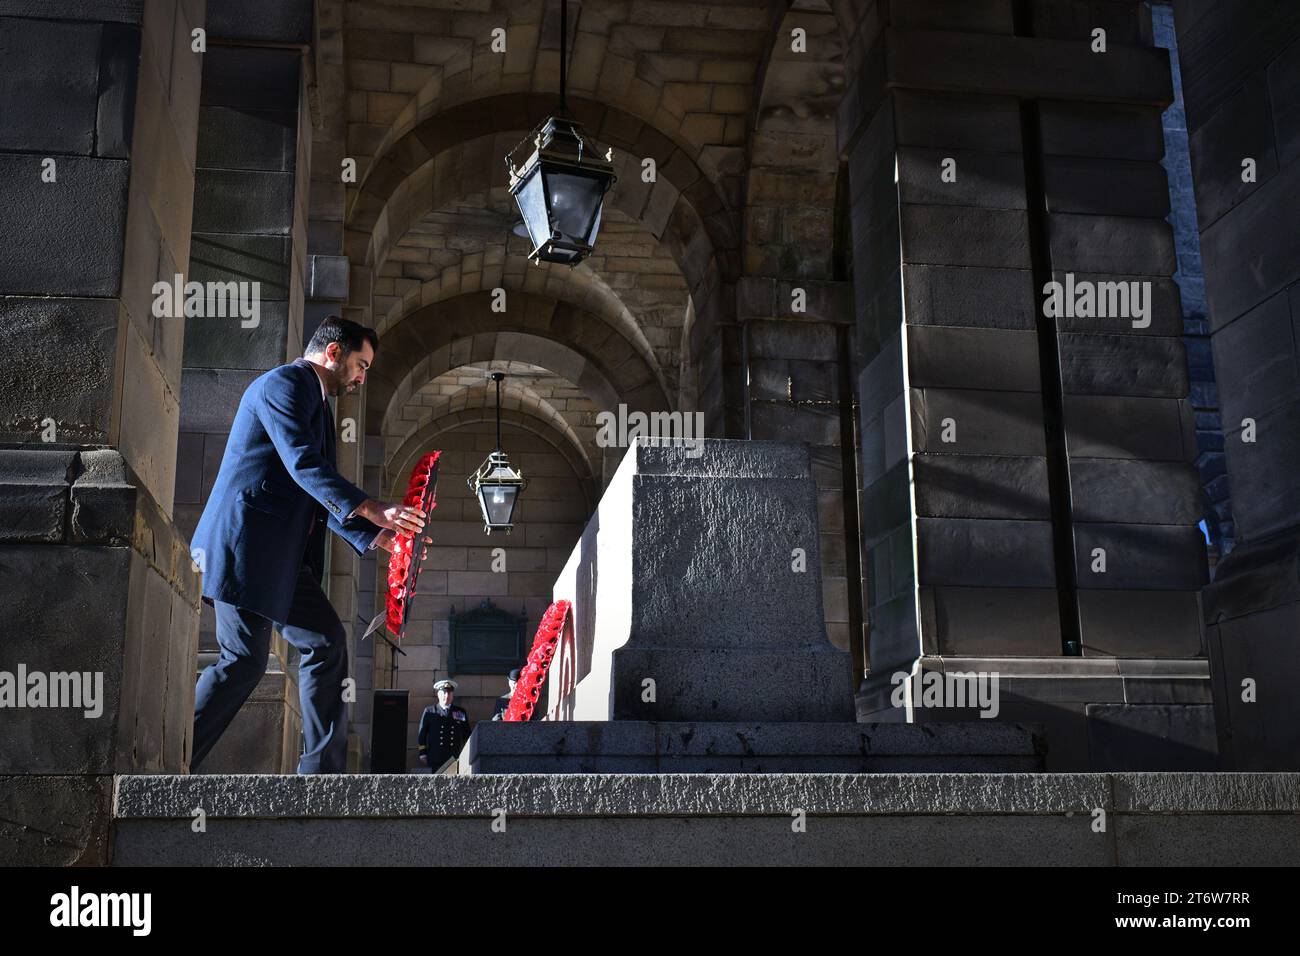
[[700, 572]]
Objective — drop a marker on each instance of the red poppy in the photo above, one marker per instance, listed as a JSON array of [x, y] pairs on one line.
[[529, 687], [402, 571]]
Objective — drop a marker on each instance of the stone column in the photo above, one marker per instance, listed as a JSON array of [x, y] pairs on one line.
[[1241, 76], [795, 363], [250, 226], [1008, 452], [97, 153]]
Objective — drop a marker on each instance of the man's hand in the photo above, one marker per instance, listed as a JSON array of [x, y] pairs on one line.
[[386, 538], [391, 516]]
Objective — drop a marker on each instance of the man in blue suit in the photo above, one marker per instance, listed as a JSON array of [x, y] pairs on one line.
[[261, 542]]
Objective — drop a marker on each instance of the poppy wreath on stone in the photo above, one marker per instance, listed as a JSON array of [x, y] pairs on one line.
[[529, 687]]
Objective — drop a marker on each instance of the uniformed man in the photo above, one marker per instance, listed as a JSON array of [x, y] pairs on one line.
[[444, 728], [503, 702]]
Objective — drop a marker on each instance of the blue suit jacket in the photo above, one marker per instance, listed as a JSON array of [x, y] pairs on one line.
[[276, 488]]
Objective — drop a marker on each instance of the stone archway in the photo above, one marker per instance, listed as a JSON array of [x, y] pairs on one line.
[[451, 393], [469, 331]]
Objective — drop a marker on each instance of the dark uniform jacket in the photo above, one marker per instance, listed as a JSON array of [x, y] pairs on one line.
[[443, 731], [499, 709], [503, 704]]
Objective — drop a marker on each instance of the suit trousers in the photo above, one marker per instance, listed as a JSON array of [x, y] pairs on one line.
[[315, 630]]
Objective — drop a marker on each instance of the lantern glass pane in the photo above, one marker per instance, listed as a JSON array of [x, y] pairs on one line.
[[575, 198], [532, 205], [497, 502]]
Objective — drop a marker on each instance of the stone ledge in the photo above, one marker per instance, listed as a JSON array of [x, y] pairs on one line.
[[640, 746], [34, 497], [272, 797], [91, 497]]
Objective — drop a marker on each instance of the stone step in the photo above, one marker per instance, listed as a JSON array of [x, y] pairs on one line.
[[709, 819], [640, 746]]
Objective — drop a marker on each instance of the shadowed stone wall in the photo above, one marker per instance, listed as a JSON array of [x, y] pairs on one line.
[[250, 226], [1004, 451], [96, 578], [1241, 79]]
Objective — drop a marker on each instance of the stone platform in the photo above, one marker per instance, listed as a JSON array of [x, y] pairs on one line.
[[640, 746], [1172, 819]]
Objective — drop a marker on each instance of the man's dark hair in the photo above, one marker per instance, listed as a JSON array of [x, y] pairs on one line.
[[347, 333]]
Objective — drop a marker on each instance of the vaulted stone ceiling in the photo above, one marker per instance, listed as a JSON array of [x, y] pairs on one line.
[[631, 281], [432, 109], [529, 389]]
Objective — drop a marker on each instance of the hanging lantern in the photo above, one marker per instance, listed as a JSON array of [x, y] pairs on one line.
[[560, 188], [496, 485]]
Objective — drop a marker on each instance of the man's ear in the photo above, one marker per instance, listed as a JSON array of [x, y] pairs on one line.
[[332, 352]]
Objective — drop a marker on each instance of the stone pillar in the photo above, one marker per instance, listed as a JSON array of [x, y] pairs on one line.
[[250, 226], [328, 290], [1241, 81], [1006, 451], [98, 579], [363, 579], [796, 360]]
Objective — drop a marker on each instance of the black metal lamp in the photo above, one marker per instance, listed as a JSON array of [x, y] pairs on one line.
[[496, 485], [560, 188]]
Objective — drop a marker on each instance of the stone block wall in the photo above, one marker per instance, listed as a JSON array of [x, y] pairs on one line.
[[793, 307], [251, 205], [799, 367], [72, 516], [89, 93], [1006, 450], [244, 212], [1241, 78], [99, 581]]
